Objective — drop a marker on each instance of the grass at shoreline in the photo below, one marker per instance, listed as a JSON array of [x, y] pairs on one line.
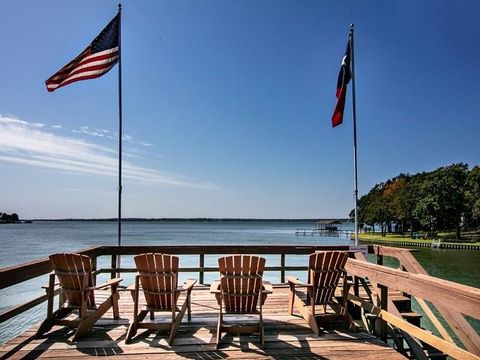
[[398, 238]]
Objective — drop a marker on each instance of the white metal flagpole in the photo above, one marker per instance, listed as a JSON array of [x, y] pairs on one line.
[[119, 242], [354, 109]]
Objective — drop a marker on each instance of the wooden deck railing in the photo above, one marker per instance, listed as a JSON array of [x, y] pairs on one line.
[[453, 301], [14, 275]]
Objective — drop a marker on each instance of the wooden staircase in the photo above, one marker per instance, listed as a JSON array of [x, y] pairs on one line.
[[400, 340]]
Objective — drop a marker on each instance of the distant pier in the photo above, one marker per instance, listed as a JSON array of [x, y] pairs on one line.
[[324, 228], [323, 232]]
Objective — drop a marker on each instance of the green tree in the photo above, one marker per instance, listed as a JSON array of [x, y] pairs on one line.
[[472, 196], [441, 202], [443, 199]]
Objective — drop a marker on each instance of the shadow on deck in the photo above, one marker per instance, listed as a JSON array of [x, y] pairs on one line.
[[286, 337]]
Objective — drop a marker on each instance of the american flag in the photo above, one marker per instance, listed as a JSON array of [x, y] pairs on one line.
[[99, 57]]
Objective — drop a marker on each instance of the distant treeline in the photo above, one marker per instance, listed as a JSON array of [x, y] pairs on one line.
[[195, 219], [444, 199], [8, 218]]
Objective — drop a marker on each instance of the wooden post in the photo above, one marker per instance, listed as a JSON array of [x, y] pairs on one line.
[[51, 294], [356, 285], [201, 265], [94, 271], [382, 326], [406, 294], [282, 271], [114, 266], [379, 259]]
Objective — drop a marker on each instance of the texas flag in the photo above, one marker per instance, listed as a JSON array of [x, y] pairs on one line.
[[343, 79]]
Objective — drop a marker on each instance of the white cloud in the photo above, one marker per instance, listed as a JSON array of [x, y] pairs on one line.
[[104, 133], [29, 144], [92, 191], [87, 131]]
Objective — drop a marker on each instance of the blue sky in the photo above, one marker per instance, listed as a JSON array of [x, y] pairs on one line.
[[227, 105]]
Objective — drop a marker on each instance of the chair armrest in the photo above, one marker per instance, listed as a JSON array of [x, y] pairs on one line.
[[130, 288], [267, 288], [294, 281], [47, 286], [215, 287], [111, 282], [187, 285], [51, 278]]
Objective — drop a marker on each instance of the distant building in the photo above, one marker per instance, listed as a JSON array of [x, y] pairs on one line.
[[327, 225]]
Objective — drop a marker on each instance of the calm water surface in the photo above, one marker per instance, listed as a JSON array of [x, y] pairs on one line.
[[25, 242]]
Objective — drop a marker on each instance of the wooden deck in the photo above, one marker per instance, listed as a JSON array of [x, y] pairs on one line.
[[286, 337]]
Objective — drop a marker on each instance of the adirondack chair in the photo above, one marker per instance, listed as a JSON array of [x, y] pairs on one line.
[[158, 280], [241, 291], [325, 268], [77, 292]]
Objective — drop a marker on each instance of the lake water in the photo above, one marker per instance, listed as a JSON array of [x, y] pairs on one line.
[[25, 242]]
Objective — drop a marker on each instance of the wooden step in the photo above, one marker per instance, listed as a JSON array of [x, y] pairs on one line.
[[433, 353], [412, 317], [403, 303]]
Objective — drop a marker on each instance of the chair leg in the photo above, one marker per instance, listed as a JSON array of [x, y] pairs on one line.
[[262, 334], [291, 299], [189, 303], [177, 320], [46, 326], [152, 315], [346, 291], [308, 313], [116, 311], [81, 330], [87, 322], [132, 329], [85, 296], [219, 329], [49, 322], [175, 324]]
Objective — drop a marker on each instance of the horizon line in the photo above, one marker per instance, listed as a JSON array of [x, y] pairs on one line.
[[188, 219]]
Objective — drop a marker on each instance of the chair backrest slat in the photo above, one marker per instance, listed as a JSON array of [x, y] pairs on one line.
[[74, 272], [159, 279], [325, 269], [241, 281]]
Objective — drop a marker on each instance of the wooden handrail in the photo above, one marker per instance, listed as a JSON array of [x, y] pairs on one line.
[[452, 298], [465, 298], [224, 249], [445, 346], [16, 274], [463, 329]]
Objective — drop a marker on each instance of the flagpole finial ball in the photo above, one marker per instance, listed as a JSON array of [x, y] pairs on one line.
[[119, 6]]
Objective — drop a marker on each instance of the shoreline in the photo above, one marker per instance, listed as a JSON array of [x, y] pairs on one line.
[[425, 244], [200, 219]]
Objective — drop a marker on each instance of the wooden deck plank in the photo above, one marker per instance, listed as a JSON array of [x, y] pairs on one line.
[[286, 337]]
